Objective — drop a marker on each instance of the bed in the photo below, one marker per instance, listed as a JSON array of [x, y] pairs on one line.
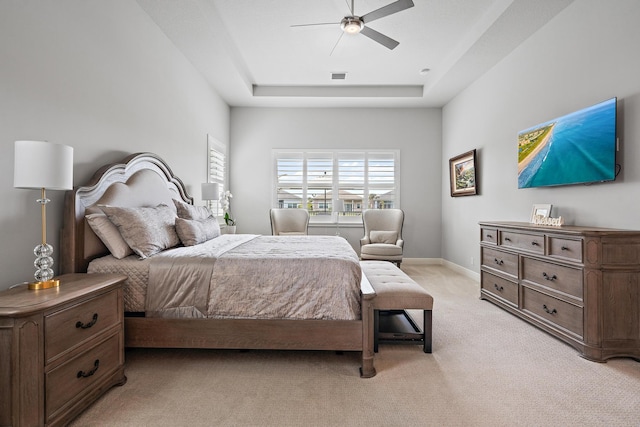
[[161, 312]]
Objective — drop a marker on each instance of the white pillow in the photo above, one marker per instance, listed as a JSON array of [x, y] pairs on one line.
[[388, 237], [188, 211], [109, 234], [196, 231], [147, 230]]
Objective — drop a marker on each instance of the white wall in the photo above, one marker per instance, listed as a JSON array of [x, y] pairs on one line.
[[415, 132], [587, 54], [99, 76]]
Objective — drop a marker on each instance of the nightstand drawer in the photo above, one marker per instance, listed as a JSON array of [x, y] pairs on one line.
[[68, 328], [68, 380]]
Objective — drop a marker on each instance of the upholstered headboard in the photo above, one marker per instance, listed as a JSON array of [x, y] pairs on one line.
[[141, 179]]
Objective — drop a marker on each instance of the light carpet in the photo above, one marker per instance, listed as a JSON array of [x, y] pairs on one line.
[[488, 368]]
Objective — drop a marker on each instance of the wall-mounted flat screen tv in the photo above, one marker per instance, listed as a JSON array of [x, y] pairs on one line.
[[578, 148]]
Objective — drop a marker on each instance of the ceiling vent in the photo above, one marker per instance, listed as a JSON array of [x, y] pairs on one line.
[[338, 76]]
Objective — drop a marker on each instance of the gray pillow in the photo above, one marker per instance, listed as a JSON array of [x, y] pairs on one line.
[[196, 231], [147, 230], [388, 237], [109, 234], [188, 211]]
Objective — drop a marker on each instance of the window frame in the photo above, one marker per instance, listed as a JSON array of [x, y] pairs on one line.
[[367, 156], [217, 172]]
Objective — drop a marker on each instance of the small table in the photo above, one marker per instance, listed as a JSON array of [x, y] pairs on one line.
[[60, 348]]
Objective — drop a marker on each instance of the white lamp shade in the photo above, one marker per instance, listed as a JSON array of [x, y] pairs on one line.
[[210, 191], [40, 164]]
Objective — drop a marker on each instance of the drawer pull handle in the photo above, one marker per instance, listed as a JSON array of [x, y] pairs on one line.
[[498, 261], [489, 236], [546, 309], [547, 277], [564, 248], [498, 288], [534, 243], [507, 239], [82, 374], [81, 325]]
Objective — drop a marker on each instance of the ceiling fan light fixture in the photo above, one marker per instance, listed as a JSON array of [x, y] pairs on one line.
[[351, 24]]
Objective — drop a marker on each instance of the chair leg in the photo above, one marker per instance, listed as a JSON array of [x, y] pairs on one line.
[[428, 331]]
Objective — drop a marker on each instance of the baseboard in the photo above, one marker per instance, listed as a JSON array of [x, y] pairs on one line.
[[448, 264], [464, 271], [422, 261]]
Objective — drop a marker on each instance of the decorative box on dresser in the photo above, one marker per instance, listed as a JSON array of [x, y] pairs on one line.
[[580, 284], [60, 348]]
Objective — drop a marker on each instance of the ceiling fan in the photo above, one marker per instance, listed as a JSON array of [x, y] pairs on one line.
[[354, 24]]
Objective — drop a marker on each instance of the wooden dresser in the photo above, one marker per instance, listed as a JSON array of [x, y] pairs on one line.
[[60, 348], [581, 284]]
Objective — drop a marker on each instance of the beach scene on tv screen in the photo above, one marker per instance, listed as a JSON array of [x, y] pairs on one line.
[[577, 148]]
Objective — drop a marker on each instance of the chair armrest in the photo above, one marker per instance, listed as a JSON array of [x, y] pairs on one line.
[[400, 242], [364, 241]]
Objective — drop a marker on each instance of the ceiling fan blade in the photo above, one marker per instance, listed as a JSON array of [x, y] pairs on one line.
[[387, 42], [387, 10], [313, 25]]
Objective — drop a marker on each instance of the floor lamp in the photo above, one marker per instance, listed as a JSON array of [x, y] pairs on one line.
[[44, 166]]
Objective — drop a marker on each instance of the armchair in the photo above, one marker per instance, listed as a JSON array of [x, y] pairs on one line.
[[382, 235], [289, 221]]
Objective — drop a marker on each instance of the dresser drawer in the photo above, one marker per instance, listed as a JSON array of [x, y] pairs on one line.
[[67, 328], [559, 278], [489, 235], [71, 378], [502, 261], [529, 242], [568, 249], [500, 287], [553, 310]]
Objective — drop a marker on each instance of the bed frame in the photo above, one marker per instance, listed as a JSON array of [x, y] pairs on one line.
[[144, 179]]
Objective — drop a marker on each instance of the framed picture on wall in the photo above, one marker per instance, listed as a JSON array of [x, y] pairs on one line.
[[462, 174]]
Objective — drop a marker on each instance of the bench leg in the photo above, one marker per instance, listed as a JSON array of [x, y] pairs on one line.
[[376, 329], [428, 331]]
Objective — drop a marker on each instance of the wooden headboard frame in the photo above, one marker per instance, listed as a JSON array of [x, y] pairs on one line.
[[141, 179]]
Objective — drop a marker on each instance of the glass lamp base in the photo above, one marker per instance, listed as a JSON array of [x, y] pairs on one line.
[[45, 284]]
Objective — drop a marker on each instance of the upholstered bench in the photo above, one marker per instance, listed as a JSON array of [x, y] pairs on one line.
[[395, 293]]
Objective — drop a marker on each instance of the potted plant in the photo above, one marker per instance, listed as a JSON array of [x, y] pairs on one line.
[[228, 217]]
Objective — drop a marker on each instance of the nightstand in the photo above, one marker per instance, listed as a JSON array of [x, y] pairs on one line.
[[60, 348]]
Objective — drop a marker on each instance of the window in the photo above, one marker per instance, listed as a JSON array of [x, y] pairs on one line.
[[319, 180], [216, 165]]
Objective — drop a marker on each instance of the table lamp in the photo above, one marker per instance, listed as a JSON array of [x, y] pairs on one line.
[[210, 191], [43, 165]]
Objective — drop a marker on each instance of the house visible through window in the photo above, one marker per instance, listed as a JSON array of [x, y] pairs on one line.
[[350, 181], [216, 165]]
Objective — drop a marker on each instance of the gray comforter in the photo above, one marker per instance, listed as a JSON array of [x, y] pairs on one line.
[[250, 276]]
